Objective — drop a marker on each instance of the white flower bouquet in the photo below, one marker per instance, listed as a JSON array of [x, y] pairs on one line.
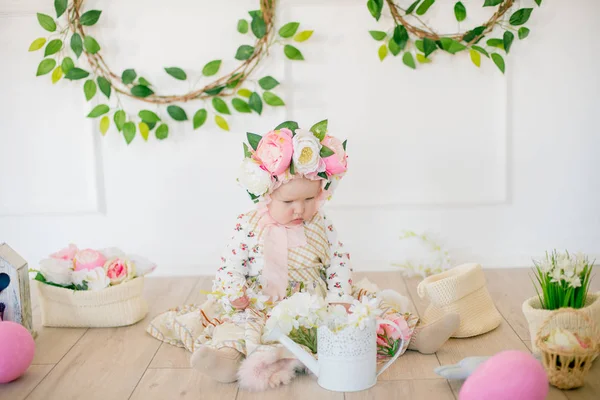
[[300, 315], [563, 280], [223, 291], [92, 288]]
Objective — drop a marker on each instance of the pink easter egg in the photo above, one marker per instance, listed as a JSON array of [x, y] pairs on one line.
[[512, 374], [17, 348]]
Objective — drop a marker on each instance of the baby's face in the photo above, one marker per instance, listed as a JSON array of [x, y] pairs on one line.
[[295, 201]]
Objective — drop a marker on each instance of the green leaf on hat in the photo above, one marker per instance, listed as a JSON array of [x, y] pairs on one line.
[[323, 175], [291, 125], [253, 197], [253, 139], [247, 153], [326, 152], [320, 129]]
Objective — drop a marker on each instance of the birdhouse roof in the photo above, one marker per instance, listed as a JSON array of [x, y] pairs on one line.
[[11, 256]]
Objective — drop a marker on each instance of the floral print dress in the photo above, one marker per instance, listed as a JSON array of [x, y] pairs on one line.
[[321, 266]]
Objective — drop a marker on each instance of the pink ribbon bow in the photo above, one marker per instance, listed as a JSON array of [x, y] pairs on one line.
[[277, 240]]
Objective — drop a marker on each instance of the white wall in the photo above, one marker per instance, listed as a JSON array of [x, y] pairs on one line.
[[501, 167]]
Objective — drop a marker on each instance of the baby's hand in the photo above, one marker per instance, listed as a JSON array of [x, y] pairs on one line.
[[241, 302]]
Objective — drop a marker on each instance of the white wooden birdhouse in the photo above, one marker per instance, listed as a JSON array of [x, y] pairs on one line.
[[15, 298]]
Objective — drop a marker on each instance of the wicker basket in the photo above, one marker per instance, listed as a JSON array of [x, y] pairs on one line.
[[567, 369], [118, 305]]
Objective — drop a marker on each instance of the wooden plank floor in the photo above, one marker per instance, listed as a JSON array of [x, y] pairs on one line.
[[126, 363]]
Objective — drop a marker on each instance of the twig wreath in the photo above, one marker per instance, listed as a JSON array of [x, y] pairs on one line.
[[57, 60], [411, 29]]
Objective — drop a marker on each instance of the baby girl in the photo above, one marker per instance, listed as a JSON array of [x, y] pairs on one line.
[[284, 245]]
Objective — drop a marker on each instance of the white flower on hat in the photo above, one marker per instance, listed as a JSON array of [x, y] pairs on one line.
[[255, 179], [307, 148]]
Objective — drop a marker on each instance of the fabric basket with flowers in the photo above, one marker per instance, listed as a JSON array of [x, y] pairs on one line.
[[563, 281], [569, 341], [92, 288]]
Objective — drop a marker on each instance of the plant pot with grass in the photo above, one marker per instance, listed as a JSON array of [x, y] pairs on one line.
[[562, 280]]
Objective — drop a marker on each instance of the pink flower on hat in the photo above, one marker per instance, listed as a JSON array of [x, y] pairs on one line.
[[336, 163], [67, 253], [88, 259], [274, 151]]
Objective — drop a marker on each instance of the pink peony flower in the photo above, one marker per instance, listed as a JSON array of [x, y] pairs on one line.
[[337, 163], [88, 259], [67, 253], [119, 270], [274, 151], [391, 332]]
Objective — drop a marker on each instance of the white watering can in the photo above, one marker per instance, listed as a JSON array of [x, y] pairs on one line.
[[347, 358]]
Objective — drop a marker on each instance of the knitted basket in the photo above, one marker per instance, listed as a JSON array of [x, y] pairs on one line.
[[536, 315], [118, 305], [567, 369], [461, 290]]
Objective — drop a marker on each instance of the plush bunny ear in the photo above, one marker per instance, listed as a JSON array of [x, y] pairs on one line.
[[462, 370]]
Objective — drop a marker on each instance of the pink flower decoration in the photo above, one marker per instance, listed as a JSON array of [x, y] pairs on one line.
[[274, 151], [119, 270], [88, 259], [391, 332], [66, 253], [336, 163], [381, 342]]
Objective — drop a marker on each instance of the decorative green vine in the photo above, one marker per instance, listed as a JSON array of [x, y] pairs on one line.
[[412, 37], [63, 60]]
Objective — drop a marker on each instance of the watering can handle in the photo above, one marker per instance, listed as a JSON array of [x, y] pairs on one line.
[[395, 357]]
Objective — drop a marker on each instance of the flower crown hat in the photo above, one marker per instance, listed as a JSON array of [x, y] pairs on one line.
[[287, 153]]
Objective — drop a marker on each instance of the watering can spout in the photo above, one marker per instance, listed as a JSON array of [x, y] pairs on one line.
[[306, 358]]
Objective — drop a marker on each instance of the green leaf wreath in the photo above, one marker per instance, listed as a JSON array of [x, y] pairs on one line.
[[68, 41], [416, 40]]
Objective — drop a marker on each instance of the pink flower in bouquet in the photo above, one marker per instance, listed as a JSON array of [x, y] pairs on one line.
[[88, 259], [119, 270], [381, 341], [336, 163], [274, 151], [391, 331], [67, 253]]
